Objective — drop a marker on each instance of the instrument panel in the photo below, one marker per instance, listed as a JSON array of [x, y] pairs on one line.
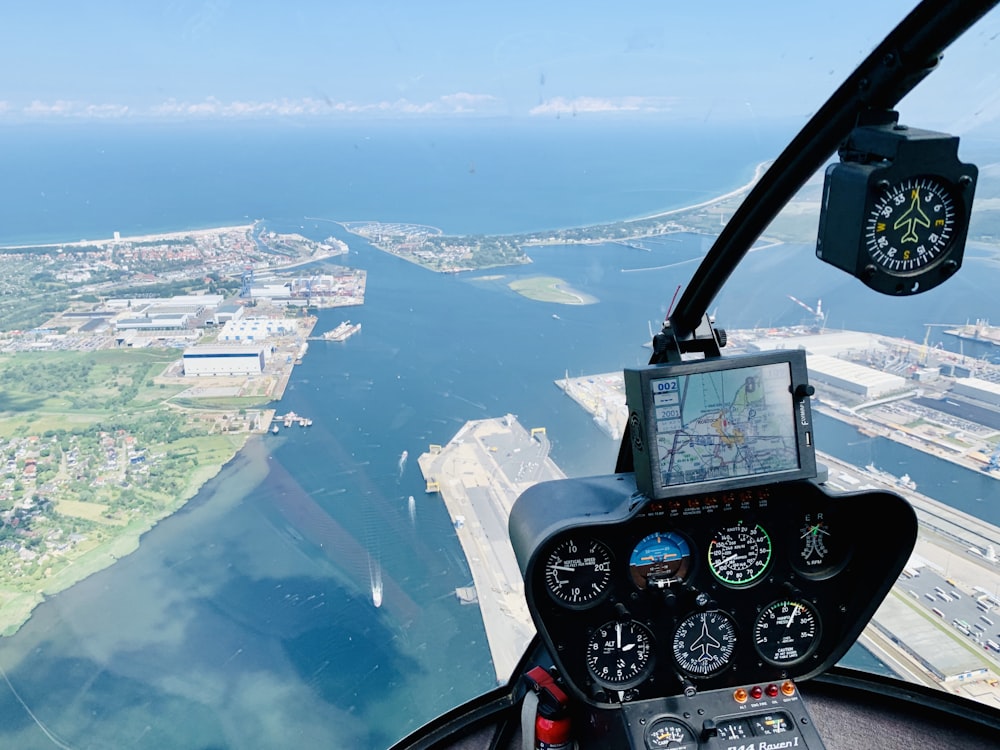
[[640, 599]]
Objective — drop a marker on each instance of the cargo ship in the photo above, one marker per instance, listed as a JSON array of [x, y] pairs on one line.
[[981, 331], [342, 332]]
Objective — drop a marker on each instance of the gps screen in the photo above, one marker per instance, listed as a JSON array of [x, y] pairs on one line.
[[724, 424], [720, 423]]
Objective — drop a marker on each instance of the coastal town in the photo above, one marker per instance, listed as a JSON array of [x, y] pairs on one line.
[[165, 354]]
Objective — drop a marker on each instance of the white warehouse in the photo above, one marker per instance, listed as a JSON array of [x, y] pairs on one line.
[[865, 381], [224, 360], [981, 390]]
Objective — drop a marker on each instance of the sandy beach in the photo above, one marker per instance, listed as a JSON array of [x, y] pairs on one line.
[[165, 237]]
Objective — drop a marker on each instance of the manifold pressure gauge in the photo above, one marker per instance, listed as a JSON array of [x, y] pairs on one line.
[[896, 209]]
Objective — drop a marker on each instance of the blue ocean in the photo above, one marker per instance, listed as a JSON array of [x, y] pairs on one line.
[[245, 620]]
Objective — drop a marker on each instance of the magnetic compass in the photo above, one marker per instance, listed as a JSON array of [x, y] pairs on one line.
[[896, 209], [910, 224]]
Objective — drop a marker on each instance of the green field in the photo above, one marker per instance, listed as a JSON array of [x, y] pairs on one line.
[[71, 424]]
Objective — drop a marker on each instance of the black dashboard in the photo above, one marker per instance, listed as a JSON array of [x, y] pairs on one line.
[[641, 600]]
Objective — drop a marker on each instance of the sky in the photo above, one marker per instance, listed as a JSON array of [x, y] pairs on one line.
[[205, 59]]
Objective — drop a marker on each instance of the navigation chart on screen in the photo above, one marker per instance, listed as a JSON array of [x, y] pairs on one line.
[[724, 424]]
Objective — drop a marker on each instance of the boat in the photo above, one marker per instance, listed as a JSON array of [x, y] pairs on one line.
[[275, 429], [342, 332], [375, 574], [884, 476]]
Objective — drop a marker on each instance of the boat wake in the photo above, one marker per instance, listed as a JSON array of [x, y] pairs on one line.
[[402, 462], [375, 576]]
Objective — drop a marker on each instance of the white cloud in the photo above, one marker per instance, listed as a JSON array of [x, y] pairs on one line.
[[595, 104], [460, 103]]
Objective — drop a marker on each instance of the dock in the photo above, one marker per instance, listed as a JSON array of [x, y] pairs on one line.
[[480, 473]]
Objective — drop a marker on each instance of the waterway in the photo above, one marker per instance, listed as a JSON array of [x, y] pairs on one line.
[[246, 620]]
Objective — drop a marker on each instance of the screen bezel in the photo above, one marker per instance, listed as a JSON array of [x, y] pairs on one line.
[[642, 421]]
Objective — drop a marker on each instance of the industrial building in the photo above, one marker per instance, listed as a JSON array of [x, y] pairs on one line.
[[868, 383], [239, 330], [981, 390], [223, 360]]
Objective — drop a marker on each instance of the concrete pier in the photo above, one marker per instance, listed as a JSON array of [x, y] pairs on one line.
[[479, 474]]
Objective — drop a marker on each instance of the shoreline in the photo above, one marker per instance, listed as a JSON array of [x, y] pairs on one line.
[[759, 170], [159, 237], [17, 607]]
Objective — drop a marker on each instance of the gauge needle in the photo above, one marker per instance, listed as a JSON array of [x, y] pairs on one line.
[[792, 616], [567, 568], [815, 530], [628, 647], [618, 631]]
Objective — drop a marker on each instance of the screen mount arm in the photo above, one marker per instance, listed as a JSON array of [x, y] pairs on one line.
[[706, 339]]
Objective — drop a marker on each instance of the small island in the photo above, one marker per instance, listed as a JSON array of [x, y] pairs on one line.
[[550, 289]]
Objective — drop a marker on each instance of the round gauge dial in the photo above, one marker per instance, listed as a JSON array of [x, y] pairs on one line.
[[620, 654], [659, 560], [577, 572], [738, 555], [910, 224], [704, 643], [766, 724], [670, 734], [786, 632], [821, 549]]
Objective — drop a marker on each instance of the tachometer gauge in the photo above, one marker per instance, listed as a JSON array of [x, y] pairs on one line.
[[704, 643], [577, 572], [786, 632], [822, 548], [738, 555], [620, 654], [659, 560]]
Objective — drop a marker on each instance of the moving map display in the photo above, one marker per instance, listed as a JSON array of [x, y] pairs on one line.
[[729, 422]]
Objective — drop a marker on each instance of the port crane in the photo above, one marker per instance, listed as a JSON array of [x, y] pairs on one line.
[[818, 314]]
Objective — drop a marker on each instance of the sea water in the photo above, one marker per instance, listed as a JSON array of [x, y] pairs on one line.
[[246, 620]]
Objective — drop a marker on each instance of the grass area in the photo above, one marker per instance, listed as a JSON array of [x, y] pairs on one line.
[[550, 289], [80, 399], [90, 511]]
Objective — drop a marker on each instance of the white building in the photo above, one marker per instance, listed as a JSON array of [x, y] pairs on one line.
[[981, 390], [224, 360], [241, 330], [866, 382]]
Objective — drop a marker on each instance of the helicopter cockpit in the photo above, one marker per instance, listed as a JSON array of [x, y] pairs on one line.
[[700, 596]]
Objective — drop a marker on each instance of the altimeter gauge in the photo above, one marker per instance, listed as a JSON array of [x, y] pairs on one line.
[[577, 572], [620, 654]]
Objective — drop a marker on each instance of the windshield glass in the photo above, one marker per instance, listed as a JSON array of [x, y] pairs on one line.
[[297, 300]]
